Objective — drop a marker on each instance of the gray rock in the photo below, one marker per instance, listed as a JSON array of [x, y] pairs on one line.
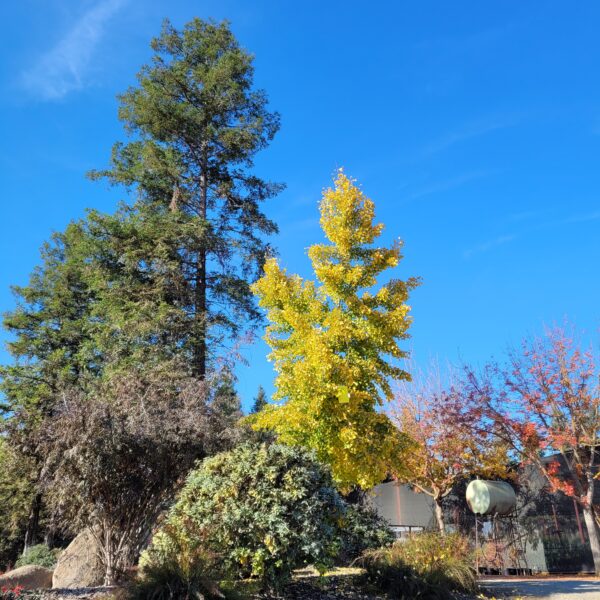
[[79, 565], [29, 577]]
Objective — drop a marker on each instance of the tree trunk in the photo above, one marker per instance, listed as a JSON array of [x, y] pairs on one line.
[[33, 523], [109, 576], [439, 515], [592, 529], [200, 291], [109, 555]]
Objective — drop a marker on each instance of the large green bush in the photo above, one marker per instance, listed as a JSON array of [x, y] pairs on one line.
[[39, 555], [262, 510], [427, 566]]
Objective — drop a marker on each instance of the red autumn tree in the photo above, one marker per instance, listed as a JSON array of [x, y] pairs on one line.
[[545, 403], [448, 444]]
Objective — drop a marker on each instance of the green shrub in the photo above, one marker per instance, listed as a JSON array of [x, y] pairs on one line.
[[261, 510], [362, 529], [39, 555], [426, 566]]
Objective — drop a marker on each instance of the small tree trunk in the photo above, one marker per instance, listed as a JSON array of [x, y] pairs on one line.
[[592, 529], [590, 522], [33, 523], [109, 573], [439, 515]]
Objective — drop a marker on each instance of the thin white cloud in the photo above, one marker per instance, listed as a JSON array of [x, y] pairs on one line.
[[489, 245], [63, 68], [526, 215], [593, 216], [470, 130], [504, 239], [448, 184]]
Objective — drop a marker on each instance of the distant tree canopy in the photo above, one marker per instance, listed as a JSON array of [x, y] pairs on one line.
[[449, 440], [335, 343], [260, 401], [543, 402]]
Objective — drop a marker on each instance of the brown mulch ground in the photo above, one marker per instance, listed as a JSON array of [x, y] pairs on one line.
[[341, 584], [96, 593], [333, 588]]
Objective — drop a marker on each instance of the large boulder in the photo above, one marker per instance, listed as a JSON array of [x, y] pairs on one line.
[[29, 577], [79, 565]]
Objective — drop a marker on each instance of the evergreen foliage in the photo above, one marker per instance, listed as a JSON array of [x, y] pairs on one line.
[[161, 285], [17, 493], [362, 529], [39, 555], [196, 124], [260, 401], [50, 328], [262, 509]]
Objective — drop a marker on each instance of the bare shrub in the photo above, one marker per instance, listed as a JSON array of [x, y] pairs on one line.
[[116, 454]]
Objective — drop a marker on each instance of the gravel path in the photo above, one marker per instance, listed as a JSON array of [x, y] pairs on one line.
[[568, 588]]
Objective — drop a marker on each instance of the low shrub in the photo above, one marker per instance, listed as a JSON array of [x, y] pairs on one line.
[[39, 555], [362, 528], [261, 509], [427, 566], [19, 593]]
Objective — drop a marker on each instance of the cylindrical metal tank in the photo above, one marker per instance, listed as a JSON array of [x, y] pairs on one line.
[[491, 497]]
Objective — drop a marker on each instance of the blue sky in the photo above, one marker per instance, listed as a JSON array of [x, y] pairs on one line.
[[475, 127]]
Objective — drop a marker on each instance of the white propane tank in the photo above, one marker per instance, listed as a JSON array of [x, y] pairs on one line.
[[491, 497]]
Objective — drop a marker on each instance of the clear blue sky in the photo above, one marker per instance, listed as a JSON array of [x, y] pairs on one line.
[[475, 127]]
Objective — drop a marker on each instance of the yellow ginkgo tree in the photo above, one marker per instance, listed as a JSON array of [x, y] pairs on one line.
[[335, 343]]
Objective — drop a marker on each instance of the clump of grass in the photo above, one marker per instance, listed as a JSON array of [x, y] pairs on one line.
[[427, 566], [170, 582]]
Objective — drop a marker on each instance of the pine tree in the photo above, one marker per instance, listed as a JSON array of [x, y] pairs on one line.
[[49, 327], [335, 343], [197, 124], [225, 397], [260, 401]]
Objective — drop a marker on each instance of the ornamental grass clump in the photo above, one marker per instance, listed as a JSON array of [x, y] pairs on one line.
[[427, 566], [176, 567]]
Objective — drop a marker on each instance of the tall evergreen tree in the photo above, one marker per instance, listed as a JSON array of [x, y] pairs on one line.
[[197, 123], [49, 327], [260, 401]]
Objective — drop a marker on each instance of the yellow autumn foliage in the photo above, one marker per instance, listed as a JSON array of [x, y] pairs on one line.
[[335, 343]]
